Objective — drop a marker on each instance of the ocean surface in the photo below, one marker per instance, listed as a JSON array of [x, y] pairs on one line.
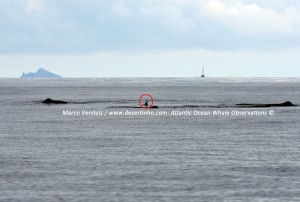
[[48, 156]]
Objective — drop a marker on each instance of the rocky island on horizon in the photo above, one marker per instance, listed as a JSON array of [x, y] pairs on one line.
[[40, 73]]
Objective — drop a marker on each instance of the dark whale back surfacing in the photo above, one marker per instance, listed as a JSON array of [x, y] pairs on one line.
[[243, 105], [284, 104], [154, 107], [50, 101]]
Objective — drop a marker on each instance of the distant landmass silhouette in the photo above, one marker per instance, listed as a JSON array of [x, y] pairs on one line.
[[41, 73]]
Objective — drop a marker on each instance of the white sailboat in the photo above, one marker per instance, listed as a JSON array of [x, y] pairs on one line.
[[203, 75]]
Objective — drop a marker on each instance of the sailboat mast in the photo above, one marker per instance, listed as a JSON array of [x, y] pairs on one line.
[[203, 75]]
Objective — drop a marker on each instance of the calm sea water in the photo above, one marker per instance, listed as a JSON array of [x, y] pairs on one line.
[[45, 156]]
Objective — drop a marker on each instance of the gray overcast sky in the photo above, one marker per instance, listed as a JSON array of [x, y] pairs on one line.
[[99, 38]]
